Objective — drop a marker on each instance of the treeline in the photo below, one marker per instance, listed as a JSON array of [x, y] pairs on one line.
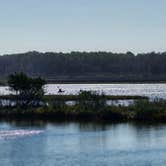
[[87, 66]]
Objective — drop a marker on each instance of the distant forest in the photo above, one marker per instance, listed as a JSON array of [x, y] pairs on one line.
[[87, 66]]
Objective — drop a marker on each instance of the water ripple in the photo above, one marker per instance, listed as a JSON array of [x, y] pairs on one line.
[[18, 133]]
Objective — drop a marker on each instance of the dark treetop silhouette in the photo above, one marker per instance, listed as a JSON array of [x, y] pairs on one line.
[[87, 66], [29, 91]]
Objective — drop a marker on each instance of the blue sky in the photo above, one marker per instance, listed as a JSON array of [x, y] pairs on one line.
[[82, 25]]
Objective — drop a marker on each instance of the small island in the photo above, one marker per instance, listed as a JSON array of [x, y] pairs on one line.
[[29, 101]]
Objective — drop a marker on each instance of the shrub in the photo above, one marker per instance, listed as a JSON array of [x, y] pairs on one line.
[[90, 101], [150, 110], [29, 91]]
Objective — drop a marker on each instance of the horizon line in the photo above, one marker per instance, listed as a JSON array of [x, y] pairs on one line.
[[70, 52]]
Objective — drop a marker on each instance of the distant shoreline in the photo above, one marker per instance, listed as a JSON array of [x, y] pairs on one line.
[[104, 82], [3, 82], [87, 67]]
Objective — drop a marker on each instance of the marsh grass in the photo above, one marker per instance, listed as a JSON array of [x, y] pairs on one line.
[[150, 110], [90, 106]]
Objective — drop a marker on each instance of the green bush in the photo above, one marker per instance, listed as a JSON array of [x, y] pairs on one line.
[[90, 101], [29, 91], [150, 110]]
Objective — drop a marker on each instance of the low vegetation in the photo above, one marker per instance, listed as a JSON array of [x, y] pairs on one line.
[[142, 110], [29, 102]]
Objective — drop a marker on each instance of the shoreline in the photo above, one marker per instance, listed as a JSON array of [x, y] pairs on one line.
[[88, 107], [4, 82], [142, 111], [76, 97], [56, 81]]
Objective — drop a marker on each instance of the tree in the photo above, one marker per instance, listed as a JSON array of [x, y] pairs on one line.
[[29, 91], [88, 66]]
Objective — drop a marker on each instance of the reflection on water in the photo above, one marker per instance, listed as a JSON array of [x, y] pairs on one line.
[[82, 144], [149, 90], [7, 134]]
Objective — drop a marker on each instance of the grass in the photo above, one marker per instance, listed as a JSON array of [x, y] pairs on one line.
[[77, 97], [67, 113], [91, 107], [142, 110], [150, 110]]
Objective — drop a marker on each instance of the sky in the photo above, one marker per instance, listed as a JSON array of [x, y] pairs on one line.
[[82, 25]]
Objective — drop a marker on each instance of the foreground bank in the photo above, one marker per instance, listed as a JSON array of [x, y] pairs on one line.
[[89, 109]]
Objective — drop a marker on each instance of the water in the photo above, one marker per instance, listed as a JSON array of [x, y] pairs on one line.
[[108, 102], [79, 144], [149, 90]]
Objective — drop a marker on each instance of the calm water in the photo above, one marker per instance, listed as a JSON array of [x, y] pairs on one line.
[[75, 144], [150, 90]]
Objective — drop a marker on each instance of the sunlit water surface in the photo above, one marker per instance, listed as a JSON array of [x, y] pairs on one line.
[[150, 90], [79, 144]]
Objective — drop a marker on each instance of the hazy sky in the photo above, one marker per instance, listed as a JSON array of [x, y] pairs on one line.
[[82, 25]]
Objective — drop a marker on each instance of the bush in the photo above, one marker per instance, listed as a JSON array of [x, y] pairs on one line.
[[29, 91], [150, 110], [90, 101]]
